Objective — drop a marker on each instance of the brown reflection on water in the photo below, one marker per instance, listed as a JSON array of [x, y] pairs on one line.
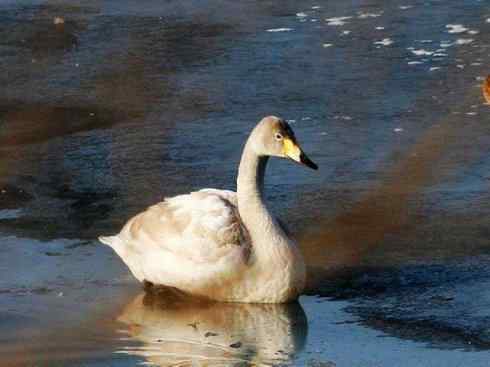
[[47, 31], [393, 207], [66, 330], [65, 347], [36, 123], [186, 332]]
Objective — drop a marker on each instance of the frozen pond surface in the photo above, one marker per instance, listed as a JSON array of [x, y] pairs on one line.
[[108, 106]]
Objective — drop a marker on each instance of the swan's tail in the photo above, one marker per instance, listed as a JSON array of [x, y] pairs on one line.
[[108, 240], [121, 248], [115, 243]]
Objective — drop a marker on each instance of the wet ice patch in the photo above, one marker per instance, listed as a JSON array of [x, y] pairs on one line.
[[384, 42], [279, 30], [56, 267], [10, 213], [456, 28], [337, 21]]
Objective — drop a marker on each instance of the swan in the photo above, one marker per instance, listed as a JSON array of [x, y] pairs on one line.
[[218, 244]]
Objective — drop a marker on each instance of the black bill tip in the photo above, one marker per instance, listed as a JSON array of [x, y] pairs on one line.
[[307, 161]]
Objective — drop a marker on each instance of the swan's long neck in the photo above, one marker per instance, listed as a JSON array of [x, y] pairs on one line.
[[264, 231], [277, 263]]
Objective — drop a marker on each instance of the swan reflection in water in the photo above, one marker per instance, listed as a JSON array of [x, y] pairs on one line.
[[174, 331]]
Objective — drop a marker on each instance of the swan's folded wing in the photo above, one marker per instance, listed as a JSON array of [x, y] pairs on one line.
[[202, 227]]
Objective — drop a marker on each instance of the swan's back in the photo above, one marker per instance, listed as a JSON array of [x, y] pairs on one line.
[[193, 240]]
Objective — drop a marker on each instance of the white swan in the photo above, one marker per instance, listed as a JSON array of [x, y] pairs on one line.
[[219, 244]]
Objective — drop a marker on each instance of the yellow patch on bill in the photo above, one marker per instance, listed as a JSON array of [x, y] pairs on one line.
[[291, 150]]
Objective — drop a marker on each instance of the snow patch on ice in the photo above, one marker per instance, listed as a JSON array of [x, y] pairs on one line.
[[456, 28], [464, 41], [337, 21], [369, 15], [384, 42], [280, 30], [422, 52]]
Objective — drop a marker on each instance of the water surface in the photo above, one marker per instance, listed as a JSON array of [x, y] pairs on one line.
[[125, 103]]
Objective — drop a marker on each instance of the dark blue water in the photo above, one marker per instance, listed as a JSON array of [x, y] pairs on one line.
[[124, 103]]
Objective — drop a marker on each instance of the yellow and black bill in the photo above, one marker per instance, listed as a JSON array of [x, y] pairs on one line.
[[294, 152]]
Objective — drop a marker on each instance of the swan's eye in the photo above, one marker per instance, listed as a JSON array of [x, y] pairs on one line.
[[278, 136]]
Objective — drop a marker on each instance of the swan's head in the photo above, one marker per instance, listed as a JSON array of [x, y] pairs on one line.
[[274, 137]]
